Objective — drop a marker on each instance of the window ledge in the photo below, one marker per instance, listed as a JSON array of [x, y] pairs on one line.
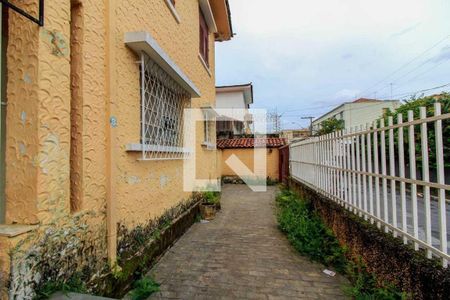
[[205, 65], [173, 11], [15, 230], [209, 146], [141, 41], [156, 148]]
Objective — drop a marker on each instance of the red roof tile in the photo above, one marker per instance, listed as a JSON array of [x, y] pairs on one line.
[[250, 143]]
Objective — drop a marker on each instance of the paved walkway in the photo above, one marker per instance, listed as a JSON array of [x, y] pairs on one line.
[[241, 255]]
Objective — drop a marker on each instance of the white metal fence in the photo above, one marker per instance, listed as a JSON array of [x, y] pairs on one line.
[[382, 173]]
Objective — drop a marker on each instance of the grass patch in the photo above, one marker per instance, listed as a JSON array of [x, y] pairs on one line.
[[309, 235], [143, 288]]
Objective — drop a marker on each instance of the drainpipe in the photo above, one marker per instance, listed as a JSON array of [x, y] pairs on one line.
[[111, 95]]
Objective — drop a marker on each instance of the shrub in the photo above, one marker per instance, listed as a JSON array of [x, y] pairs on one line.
[[143, 288], [309, 235]]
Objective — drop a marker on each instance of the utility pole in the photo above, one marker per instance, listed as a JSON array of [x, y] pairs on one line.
[[276, 121], [310, 124]]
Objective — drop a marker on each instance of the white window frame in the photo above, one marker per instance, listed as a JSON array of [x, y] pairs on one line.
[[209, 119]]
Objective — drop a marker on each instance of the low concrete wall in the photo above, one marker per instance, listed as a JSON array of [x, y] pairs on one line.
[[385, 256], [141, 247]]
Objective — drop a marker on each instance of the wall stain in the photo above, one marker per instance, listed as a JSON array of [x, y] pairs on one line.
[[57, 42], [27, 78], [23, 117]]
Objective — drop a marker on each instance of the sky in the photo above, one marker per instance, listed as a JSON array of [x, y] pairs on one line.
[[306, 57]]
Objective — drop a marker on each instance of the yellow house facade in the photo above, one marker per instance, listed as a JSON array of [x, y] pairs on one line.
[[91, 141]]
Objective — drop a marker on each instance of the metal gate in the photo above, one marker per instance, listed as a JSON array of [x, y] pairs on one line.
[[284, 164]]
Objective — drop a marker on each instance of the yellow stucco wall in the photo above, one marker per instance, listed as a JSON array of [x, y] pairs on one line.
[[38, 157], [247, 157], [156, 185]]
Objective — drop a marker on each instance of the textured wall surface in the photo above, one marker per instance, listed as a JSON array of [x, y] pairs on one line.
[[156, 185], [57, 129], [247, 157], [22, 118], [39, 148]]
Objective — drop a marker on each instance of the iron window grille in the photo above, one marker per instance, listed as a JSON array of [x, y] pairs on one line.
[[162, 104]]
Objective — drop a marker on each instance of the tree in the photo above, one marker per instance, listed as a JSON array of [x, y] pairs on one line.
[[330, 125], [414, 105]]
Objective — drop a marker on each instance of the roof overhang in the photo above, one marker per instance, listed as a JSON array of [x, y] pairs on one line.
[[247, 89], [141, 41], [209, 16], [222, 16]]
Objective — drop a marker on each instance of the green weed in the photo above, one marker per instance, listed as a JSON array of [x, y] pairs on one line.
[[309, 235], [75, 284], [143, 288]]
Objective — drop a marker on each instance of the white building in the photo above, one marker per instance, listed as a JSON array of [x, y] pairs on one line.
[[359, 112], [236, 99]]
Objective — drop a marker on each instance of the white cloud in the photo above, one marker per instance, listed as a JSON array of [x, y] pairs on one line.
[[299, 53]]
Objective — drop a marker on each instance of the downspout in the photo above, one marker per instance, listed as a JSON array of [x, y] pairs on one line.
[[111, 95]]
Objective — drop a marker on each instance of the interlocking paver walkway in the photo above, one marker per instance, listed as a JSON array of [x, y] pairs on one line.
[[241, 255]]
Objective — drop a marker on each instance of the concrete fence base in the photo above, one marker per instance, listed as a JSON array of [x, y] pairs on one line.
[[385, 256]]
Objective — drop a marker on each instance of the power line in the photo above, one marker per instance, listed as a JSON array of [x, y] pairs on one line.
[[405, 65], [422, 91]]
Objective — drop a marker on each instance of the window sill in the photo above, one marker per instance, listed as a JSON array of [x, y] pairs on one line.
[[156, 148], [173, 11], [209, 146], [15, 230], [205, 65]]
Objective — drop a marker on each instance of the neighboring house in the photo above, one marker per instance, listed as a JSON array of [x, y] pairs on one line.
[[243, 149], [91, 130], [359, 112], [236, 99], [295, 134]]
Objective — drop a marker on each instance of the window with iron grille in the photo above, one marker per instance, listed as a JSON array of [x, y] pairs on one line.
[[162, 104]]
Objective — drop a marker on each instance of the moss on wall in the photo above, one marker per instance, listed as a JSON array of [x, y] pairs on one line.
[[56, 254], [77, 250], [385, 256]]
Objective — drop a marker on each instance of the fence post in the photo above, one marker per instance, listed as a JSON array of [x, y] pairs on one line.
[[369, 169], [426, 177], [441, 180], [358, 168], [392, 173], [377, 171], [353, 168], [401, 162], [363, 168], [384, 173], [412, 170]]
